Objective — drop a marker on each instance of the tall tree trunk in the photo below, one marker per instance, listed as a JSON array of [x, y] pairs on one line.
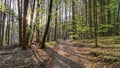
[[90, 19], [56, 20], [102, 13], [74, 19], [37, 22], [9, 24], [118, 19], [108, 16], [20, 23], [3, 26], [47, 25], [95, 21], [25, 24], [29, 35], [86, 12]]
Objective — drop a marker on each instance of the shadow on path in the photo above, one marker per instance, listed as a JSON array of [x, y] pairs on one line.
[[61, 61], [69, 48]]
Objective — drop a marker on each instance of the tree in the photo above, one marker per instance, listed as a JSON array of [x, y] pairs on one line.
[[56, 21], [47, 25], [74, 19], [25, 24], [90, 18], [20, 23], [3, 26], [30, 31], [95, 21]]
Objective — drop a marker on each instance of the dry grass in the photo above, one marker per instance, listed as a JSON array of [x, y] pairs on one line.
[[108, 50]]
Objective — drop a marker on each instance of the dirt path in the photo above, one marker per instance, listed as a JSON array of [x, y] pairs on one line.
[[77, 54], [66, 55], [63, 54]]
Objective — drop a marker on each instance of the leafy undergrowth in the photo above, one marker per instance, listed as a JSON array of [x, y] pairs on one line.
[[50, 43], [108, 50]]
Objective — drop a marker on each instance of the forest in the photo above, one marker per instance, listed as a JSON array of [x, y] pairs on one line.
[[59, 33]]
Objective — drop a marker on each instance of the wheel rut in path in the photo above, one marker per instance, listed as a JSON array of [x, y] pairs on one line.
[[56, 57], [78, 53]]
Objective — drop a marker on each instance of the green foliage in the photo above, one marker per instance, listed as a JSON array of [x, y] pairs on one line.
[[81, 26], [84, 29], [105, 28], [2, 7], [75, 35], [69, 27], [6, 8]]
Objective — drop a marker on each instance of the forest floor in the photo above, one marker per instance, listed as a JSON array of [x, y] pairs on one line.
[[14, 57], [62, 54]]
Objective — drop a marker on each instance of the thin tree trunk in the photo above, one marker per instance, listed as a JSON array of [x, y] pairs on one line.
[[118, 19], [95, 21], [56, 18], [90, 19]]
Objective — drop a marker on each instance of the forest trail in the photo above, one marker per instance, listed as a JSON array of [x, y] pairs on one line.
[[77, 53], [57, 56], [64, 54]]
